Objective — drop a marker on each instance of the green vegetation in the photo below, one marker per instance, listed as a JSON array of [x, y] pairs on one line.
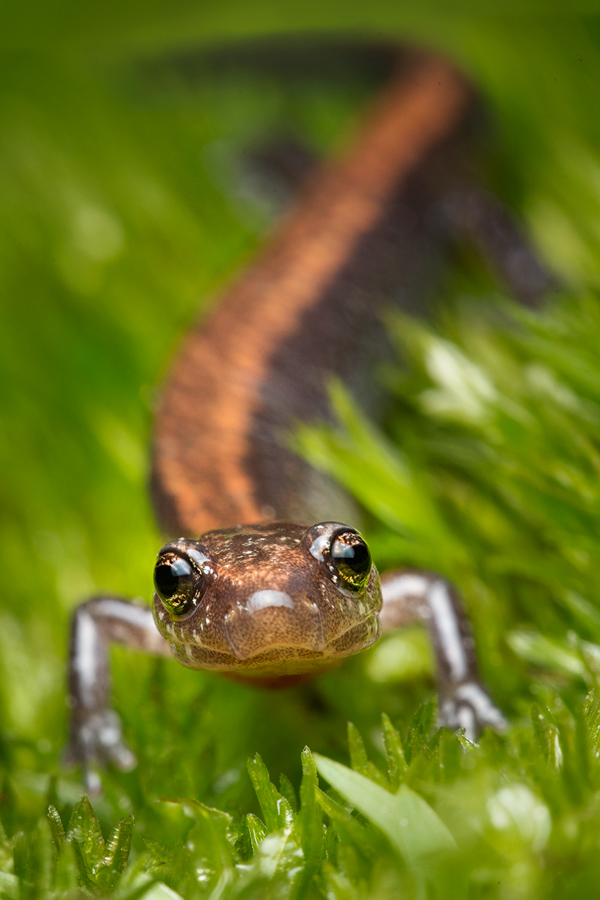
[[123, 208]]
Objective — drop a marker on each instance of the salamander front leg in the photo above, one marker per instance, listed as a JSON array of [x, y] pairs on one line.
[[95, 729], [464, 701]]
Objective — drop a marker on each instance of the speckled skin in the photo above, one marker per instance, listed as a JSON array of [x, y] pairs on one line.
[[270, 607]]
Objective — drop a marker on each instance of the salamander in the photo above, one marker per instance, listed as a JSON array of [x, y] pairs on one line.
[[255, 589]]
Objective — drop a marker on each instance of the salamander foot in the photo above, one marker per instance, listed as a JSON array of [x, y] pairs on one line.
[[470, 707], [96, 741]]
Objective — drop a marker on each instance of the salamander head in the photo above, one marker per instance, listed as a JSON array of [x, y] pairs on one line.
[[267, 600]]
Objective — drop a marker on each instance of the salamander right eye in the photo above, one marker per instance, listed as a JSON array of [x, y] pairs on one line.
[[181, 576]]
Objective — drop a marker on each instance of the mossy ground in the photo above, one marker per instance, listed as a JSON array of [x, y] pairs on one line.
[[123, 211]]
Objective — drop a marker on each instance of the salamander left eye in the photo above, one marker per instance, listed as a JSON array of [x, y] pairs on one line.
[[343, 552], [180, 577], [350, 555]]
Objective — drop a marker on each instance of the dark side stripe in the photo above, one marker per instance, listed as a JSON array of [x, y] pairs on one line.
[[305, 310]]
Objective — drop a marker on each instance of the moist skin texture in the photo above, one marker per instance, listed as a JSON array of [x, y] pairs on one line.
[[271, 608]]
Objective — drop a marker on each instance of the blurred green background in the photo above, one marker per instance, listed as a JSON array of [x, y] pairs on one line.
[[124, 209]]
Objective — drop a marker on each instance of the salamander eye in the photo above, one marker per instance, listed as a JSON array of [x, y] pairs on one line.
[[343, 552], [180, 576], [350, 555]]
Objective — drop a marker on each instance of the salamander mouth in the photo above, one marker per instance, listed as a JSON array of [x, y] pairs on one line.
[[308, 639], [366, 631], [280, 657]]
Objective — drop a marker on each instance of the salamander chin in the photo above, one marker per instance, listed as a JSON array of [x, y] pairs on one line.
[[267, 600]]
